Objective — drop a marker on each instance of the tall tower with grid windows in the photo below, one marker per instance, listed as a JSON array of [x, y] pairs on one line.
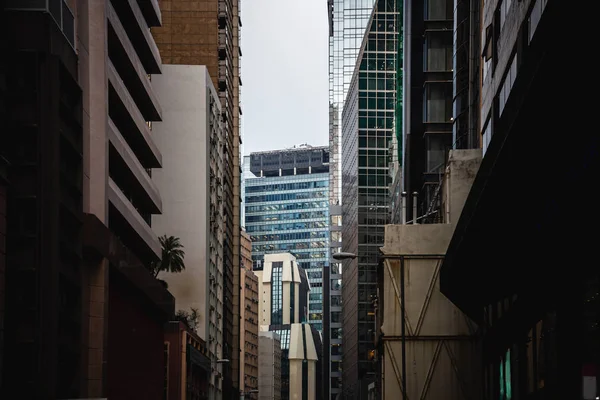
[[369, 124]]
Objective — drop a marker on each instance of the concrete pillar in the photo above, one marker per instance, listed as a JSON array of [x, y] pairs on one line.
[[91, 46]]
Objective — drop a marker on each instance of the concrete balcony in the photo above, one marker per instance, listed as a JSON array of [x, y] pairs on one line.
[[126, 222], [151, 11], [130, 121], [125, 164], [125, 59], [138, 31]]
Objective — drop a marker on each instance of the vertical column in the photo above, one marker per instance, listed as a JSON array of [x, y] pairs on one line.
[[92, 48]]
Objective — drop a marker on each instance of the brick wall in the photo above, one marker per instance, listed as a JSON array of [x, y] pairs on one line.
[[189, 34]]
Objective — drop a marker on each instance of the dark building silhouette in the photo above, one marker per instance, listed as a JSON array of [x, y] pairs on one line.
[[521, 261]]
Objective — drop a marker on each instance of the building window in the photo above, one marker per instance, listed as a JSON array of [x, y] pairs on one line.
[[438, 52], [486, 136], [336, 317], [276, 293], [438, 102], [488, 52], [316, 316], [507, 85], [438, 9], [336, 301], [437, 148], [535, 16], [504, 10]]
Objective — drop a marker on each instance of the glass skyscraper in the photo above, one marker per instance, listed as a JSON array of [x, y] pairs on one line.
[[369, 124], [347, 22], [286, 195]]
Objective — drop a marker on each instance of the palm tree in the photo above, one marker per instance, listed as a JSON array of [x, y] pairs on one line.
[[172, 256]]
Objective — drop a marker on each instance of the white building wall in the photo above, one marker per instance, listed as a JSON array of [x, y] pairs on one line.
[[189, 138]]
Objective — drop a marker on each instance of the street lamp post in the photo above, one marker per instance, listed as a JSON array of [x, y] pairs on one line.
[[343, 256]]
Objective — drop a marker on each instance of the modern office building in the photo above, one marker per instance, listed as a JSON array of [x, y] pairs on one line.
[[249, 316], [191, 138], [427, 116], [283, 297], [347, 23], [368, 126], [287, 209], [207, 32], [78, 140], [269, 366]]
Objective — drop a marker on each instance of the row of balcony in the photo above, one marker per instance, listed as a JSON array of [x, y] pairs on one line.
[[132, 104]]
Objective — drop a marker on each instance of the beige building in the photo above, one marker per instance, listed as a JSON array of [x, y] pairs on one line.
[[269, 356], [283, 298], [440, 350], [207, 32], [191, 137], [249, 316], [280, 291]]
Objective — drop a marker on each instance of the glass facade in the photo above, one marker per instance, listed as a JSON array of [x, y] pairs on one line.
[[368, 126], [347, 22], [277, 293], [290, 213]]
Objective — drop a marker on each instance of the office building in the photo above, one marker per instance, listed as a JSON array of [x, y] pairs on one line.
[[79, 124], [347, 22], [207, 32], [537, 286], [287, 209], [269, 366], [191, 137], [428, 112], [283, 295], [249, 316], [368, 125]]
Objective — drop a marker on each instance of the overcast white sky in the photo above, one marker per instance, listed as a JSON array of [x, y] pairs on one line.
[[284, 74]]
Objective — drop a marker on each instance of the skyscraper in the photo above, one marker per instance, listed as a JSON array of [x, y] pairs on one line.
[[368, 126], [207, 32], [347, 22], [287, 209]]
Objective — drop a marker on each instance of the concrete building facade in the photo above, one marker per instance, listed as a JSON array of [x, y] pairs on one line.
[[207, 32], [191, 138], [79, 76], [425, 346], [249, 317], [283, 299], [269, 366]]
